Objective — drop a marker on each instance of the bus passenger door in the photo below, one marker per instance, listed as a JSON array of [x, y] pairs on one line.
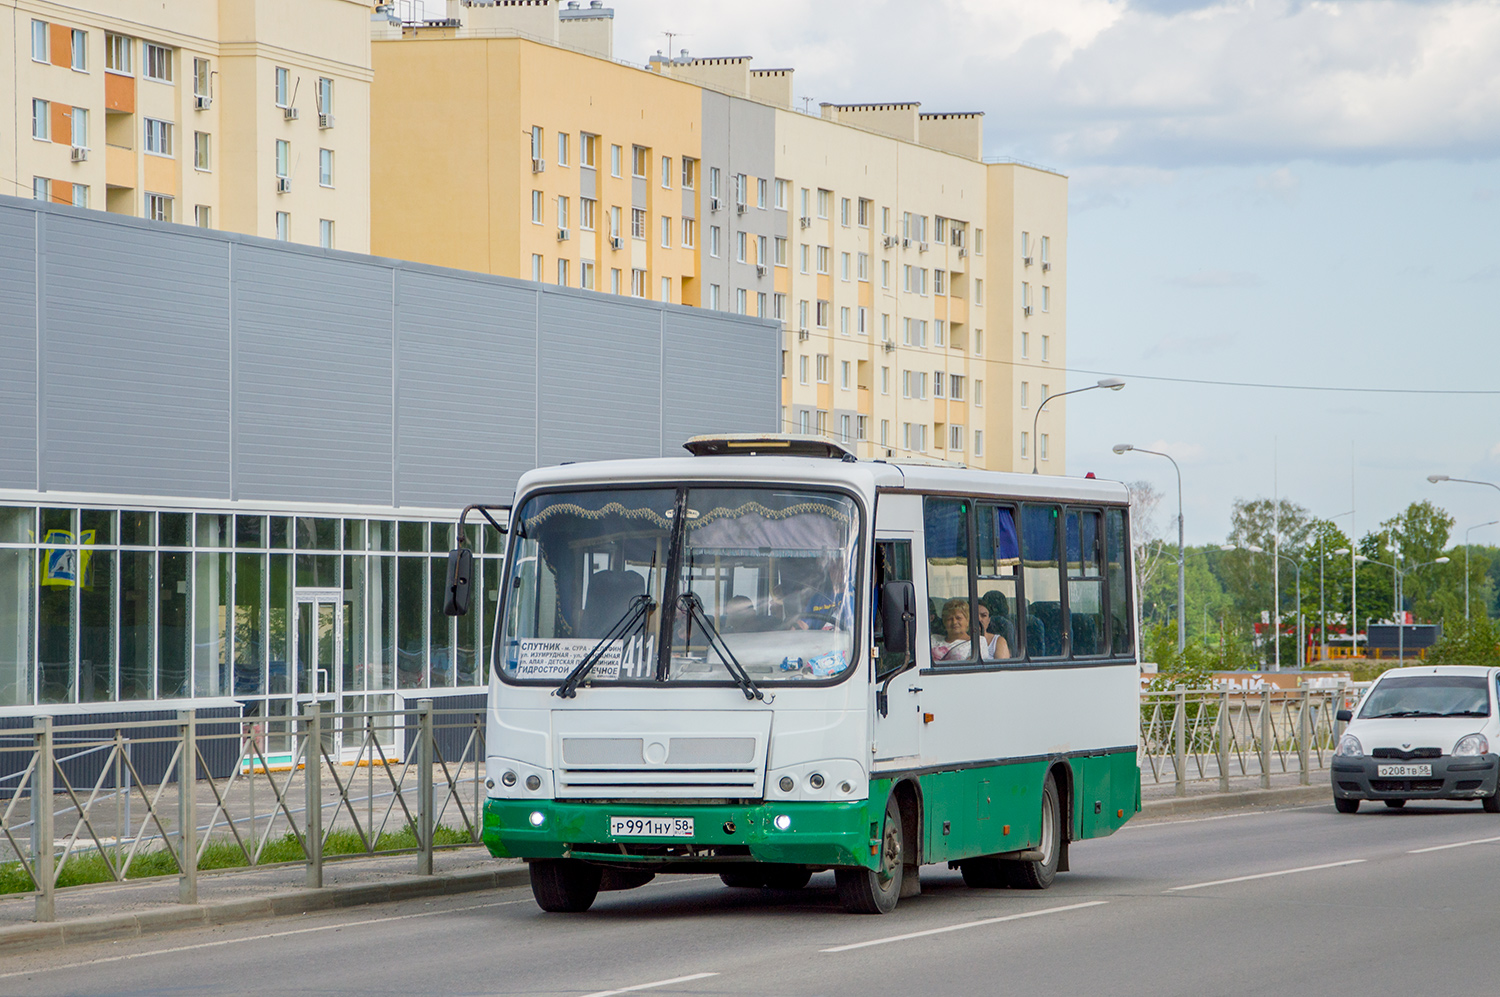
[[896, 729]]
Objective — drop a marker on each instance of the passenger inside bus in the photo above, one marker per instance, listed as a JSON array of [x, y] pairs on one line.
[[955, 643], [996, 647]]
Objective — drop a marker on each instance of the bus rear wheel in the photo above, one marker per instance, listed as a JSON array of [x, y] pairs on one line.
[[875, 891], [1038, 874], [564, 886]]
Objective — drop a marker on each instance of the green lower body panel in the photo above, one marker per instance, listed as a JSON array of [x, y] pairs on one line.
[[818, 834]]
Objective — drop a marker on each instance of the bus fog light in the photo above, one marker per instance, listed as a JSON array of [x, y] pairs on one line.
[[782, 822], [844, 787], [786, 784], [489, 784], [533, 783], [537, 818], [815, 780], [509, 778]]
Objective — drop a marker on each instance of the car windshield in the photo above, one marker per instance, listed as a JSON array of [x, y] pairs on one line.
[[762, 576], [1428, 696]]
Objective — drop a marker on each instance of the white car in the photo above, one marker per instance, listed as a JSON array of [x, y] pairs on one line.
[[1425, 733]]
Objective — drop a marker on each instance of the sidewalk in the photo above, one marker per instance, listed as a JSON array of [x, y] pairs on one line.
[[1161, 799]]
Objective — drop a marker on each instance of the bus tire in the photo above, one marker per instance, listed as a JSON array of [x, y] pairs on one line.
[[1039, 873], [564, 886], [875, 891], [750, 878], [787, 877]]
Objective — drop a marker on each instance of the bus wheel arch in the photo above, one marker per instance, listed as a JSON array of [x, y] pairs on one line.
[[1062, 775], [908, 795]]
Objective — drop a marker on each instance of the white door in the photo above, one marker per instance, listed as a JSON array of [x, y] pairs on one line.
[[317, 649], [897, 727]]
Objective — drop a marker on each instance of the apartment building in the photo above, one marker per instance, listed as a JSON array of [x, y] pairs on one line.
[[920, 288], [245, 115]]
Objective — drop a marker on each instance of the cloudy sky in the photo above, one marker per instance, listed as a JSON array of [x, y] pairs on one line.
[[1268, 191]]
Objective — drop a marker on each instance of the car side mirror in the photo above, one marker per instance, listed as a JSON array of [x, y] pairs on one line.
[[460, 571], [898, 617], [1344, 716]]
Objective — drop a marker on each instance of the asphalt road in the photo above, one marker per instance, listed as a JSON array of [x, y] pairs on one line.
[[1283, 902]]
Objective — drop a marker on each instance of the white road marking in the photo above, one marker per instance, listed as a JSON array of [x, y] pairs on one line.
[[652, 986], [256, 938], [1456, 844], [1265, 875], [966, 924]]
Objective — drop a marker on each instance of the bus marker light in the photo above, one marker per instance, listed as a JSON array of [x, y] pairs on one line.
[[1119, 813], [537, 818], [782, 822], [927, 718], [1006, 829]]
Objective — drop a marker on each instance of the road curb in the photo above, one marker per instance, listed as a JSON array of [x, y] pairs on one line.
[[1207, 803], [112, 927]]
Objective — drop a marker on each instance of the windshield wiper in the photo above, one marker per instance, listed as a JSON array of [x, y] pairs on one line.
[[1405, 713], [694, 607], [635, 616], [1464, 713]]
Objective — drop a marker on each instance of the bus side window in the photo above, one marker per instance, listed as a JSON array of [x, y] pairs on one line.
[[1085, 583], [1118, 583], [892, 564], [945, 531], [1042, 581], [999, 555]]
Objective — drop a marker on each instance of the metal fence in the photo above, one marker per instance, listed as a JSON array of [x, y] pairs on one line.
[[1205, 735], [79, 804]]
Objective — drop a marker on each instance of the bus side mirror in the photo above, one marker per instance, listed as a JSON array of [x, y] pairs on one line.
[[898, 617], [460, 571], [1344, 716]]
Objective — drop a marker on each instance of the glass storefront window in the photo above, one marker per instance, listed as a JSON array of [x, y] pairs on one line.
[[382, 636], [281, 536], [97, 526], [250, 531], [382, 535], [278, 633], [213, 530], [249, 624], [442, 537], [174, 529], [440, 659], [136, 598], [16, 630], [173, 635], [413, 537], [17, 526], [318, 571], [211, 625], [354, 534], [57, 519], [411, 632], [96, 626], [353, 665], [317, 534], [137, 528], [56, 623]]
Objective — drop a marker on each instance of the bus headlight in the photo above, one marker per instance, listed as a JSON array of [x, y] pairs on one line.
[[782, 822], [815, 780], [787, 783], [509, 778], [533, 782]]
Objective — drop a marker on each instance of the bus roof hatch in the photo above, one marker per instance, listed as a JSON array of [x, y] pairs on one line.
[[766, 445]]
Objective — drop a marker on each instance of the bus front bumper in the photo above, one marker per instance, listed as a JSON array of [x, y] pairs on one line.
[[814, 834]]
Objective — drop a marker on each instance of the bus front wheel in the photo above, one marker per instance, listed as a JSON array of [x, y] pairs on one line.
[[875, 891], [564, 886], [1038, 874]]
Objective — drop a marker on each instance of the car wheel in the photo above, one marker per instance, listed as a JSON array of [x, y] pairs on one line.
[[1492, 803], [1394, 804], [1344, 806]]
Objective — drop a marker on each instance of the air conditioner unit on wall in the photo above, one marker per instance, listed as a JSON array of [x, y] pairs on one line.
[[922, 247], [889, 346], [888, 241], [803, 333], [1046, 267], [1026, 260], [740, 208], [1026, 310], [291, 113], [325, 121], [713, 204], [963, 251], [80, 154], [202, 102], [562, 235], [760, 269], [538, 165], [283, 184], [806, 221], [615, 242]]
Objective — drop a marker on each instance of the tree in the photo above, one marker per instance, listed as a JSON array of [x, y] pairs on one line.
[[1467, 642], [1418, 536], [1247, 576], [1146, 534]]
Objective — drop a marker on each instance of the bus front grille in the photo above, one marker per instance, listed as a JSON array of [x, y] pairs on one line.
[[657, 781]]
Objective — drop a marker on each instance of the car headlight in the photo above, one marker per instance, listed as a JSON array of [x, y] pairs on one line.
[[1474, 744], [1349, 747]]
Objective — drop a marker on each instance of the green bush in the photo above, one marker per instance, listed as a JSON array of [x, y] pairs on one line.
[[1467, 642]]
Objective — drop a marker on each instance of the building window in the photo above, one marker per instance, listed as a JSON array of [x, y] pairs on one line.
[[117, 54], [778, 305], [760, 304], [1046, 254], [979, 393], [938, 283], [1046, 394], [885, 432], [80, 136], [825, 256], [802, 313], [614, 160], [742, 241], [283, 226], [1025, 394], [713, 297], [1046, 348], [564, 140], [782, 187], [885, 274], [885, 221], [156, 62], [713, 182], [666, 232], [536, 267], [978, 292], [666, 172], [201, 151], [562, 212], [956, 387], [41, 48], [689, 173], [863, 327], [586, 275], [283, 158], [80, 195], [537, 208], [638, 223], [822, 423], [783, 364], [844, 266], [803, 419], [1026, 248], [844, 210], [614, 221], [713, 240], [938, 385], [80, 53], [203, 216], [203, 79], [325, 233], [978, 443], [906, 384], [587, 209], [824, 307], [979, 242], [844, 375], [885, 380], [1025, 345], [862, 267], [939, 333], [885, 328], [159, 138], [825, 202], [741, 189], [41, 189], [1041, 445], [638, 283], [762, 249], [802, 369], [861, 427], [864, 212], [780, 247], [41, 120], [742, 301], [159, 208], [760, 193], [325, 167], [1046, 298], [939, 228], [804, 250], [562, 273], [614, 280], [978, 342], [283, 85], [324, 97], [844, 428], [639, 161], [1025, 442]]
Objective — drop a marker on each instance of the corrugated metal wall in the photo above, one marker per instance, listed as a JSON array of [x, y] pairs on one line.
[[148, 359]]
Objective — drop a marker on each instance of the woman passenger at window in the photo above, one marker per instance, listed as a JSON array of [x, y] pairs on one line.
[[994, 646], [955, 644]]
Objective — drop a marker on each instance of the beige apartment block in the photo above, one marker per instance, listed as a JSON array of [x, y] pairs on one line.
[[244, 115]]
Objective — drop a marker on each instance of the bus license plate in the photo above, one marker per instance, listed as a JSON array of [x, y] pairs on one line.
[[1403, 771], [651, 827]]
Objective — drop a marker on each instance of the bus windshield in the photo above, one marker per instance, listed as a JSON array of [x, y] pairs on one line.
[[767, 574]]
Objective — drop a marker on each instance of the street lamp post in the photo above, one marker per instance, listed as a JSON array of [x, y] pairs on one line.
[[1322, 609], [1400, 579], [1121, 448], [1439, 478], [1112, 383], [1466, 561], [1300, 663]]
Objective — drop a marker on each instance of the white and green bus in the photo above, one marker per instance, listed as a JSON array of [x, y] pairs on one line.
[[770, 659]]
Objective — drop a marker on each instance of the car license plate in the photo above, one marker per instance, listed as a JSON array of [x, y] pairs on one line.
[[651, 827], [1403, 771]]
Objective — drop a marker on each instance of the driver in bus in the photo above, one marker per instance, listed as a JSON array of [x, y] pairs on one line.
[[828, 606]]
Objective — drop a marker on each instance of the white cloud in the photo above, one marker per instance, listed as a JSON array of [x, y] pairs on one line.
[[1152, 82]]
